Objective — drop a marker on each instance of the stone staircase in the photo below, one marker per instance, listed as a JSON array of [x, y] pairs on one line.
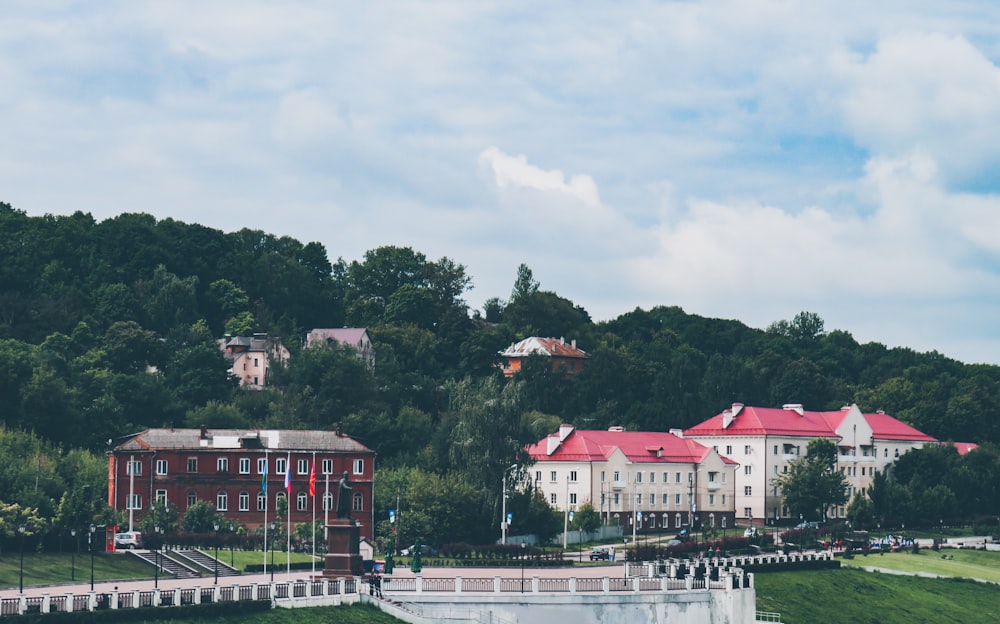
[[167, 565], [204, 563]]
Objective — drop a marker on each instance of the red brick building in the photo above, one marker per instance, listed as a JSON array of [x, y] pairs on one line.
[[228, 468]]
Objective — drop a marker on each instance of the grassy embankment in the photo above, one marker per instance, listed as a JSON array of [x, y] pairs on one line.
[[972, 564]]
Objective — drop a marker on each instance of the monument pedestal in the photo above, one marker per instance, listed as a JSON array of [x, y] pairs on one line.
[[343, 554]]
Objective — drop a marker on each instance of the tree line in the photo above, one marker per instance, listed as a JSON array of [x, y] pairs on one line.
[[110, 327]]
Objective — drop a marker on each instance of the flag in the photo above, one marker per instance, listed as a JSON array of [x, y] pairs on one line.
[[288, 474], [312, 480], [263, 477]]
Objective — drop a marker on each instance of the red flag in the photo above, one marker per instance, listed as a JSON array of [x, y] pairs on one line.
[[312, 479]]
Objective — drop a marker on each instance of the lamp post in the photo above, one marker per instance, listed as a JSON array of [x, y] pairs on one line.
[[216, 525], [156, 565], [271, 546], [90, 546], [503, 512], [72, 573], [20, 531], [523, 547]]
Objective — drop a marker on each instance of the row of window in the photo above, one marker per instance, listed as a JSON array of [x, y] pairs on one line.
[[222, 500], [747, 449], [664, 499], [134, 467], [650, 477]]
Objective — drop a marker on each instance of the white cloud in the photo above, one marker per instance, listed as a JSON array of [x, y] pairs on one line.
[[515, 172]]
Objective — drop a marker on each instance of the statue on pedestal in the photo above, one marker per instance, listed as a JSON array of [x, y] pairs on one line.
[[344, 498]]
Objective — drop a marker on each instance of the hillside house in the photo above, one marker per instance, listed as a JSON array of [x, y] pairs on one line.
[[565, 356]]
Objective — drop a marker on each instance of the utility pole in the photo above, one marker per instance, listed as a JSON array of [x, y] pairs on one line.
[[399, 521]]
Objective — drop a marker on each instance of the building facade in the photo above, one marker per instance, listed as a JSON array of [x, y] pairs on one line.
[[251, 357], [764, 441], [242, 473], [649, 481], [354, 337]]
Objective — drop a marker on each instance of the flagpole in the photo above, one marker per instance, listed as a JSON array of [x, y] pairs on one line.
[[312, 494], [265, 511], [326, 510]]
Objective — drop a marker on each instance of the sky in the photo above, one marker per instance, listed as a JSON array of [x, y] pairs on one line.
[[745, 160]]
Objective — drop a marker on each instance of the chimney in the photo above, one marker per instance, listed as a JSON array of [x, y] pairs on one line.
[[573, 343], [794, 407], [564, 431], [677, 432], [551, 444], [204, 432]]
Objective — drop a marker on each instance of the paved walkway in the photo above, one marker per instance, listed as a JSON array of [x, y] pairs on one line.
[[921, 574]]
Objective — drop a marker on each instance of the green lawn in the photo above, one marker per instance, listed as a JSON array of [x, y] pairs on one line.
[[54, 568], [852, 596], [355, 614], [977, 564]]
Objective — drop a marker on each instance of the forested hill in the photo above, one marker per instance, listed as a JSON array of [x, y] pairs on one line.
[[110, 327]]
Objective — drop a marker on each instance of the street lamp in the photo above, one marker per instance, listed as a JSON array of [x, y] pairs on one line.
[[216, 525], [90, 546], [523, 547], [20, 531], [271, 546], [156, 565], [72, 573]]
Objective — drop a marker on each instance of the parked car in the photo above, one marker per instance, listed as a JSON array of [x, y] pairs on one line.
[[674, 542], [600, 554], [750, 532], [128, 539], [807, 525], [426, 550]]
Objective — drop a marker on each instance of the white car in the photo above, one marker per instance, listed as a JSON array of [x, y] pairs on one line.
[[128, 539], [750, 532]]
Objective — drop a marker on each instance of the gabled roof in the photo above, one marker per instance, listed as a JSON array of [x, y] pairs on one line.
[[965, 447], [637, 446], [794, 421], [552, 347], [223, 439], [352, 336]]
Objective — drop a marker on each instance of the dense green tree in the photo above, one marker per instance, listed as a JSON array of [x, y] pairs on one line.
[[201, 518], [813, 483]]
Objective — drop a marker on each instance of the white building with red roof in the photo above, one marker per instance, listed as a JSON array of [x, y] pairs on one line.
[[766, 440], [660, 478]]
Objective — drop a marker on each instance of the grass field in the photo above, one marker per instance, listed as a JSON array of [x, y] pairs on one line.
[[974, 564], [852, 596], [355, 614], [54, 568]]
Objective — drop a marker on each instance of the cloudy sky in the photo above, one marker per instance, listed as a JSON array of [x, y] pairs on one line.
[[745, 160]]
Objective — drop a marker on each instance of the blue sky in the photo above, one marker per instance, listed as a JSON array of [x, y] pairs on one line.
[[744, 160]]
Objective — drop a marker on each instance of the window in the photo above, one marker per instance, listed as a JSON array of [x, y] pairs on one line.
[[746, 449], [747, 490], [161, 497], [552, 498], [222, 501], [886, 452], [711, 476], [666, 499], [262, 465], [358, 503], [747, 469], [572, 476], [618, 476], [678, 477], [261, 501], [677, 521], [134, 501], [723, 500], [652, 499], [192, 498], [572, 498], [602, 476], [552, 476], [244, 465], [747, 512], [677, 499], [359, 467], [638, 476], [245, 500], [666, 477], [222, 464], [538, 475], [302, 501], [729, 449], [280, 465], [775, 449], [652, 477], [327, 466], [133, 468], [161, 466], [784, 469], [256, 362], [303, 466], [711, 499], [638, 498], [618, 499], [192, 464], [328, 502]]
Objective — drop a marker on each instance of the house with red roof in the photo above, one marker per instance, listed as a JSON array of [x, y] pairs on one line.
[[764, 441], [564, 356], [646, 480], [356, 338]]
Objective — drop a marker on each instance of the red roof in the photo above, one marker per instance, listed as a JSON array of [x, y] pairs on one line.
[[792, 420], [638, 446], [965, 447], [552, 347]]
